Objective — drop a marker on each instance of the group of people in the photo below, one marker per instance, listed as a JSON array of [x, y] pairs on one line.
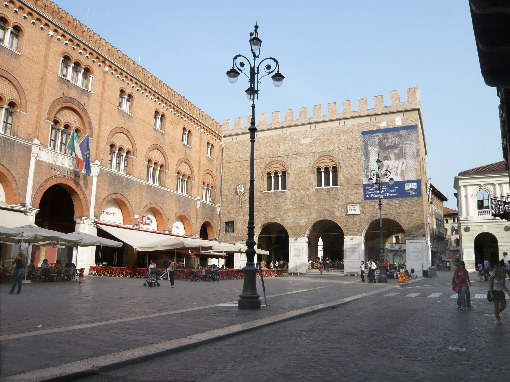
[[497, 286], [371, 266]]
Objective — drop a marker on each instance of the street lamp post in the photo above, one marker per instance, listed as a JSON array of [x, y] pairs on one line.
[[249, 298], [376, 176]]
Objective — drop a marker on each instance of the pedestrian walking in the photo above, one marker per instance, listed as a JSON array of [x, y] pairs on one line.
[[362, 271], [171, 273], [19, 272], [81, 275], [480, 270], [462, 279], [373, 266], [496, 288], [320, 268], [485, 269]]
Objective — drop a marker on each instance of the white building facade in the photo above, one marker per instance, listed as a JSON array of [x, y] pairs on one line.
[[482, 235]]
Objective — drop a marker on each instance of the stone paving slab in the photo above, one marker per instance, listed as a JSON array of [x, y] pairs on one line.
[[73, 317], [375, 338]]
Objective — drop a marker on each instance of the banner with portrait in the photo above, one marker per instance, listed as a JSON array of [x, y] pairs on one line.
[[398, 149]]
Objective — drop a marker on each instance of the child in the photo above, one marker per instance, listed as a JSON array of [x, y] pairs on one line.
[[80, 275], [320, 268]]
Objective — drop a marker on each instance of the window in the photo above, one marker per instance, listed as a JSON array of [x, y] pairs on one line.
[[65, 133], [327, 177], [125, 101], [76, 74], [112, 157], [124, 169], [150, 168], [206, 193], [13, 38], [396, 239], [119, 160], [3, 29], [229, 227], [182, 184], [159, 120], [209, 150], [446, 221], [457, 242], [73, 72], [185, 136], [482, 200], [276, 181], [6, 119], [59, 137], [65, 67]]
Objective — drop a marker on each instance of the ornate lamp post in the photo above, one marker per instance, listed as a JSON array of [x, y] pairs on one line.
[[376, 176], [249, 298]]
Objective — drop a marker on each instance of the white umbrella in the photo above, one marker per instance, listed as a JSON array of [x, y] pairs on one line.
[[32, 234], [7, 233], [87, 240]]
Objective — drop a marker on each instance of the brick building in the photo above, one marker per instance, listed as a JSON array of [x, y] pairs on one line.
[[313, 193], [156, 157]]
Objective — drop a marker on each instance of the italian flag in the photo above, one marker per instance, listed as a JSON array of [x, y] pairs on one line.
[[74, 147]]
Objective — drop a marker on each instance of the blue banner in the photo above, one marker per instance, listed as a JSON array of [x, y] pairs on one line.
[[402, 189]]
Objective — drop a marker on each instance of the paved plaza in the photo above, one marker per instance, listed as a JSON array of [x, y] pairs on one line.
[[194, 332]]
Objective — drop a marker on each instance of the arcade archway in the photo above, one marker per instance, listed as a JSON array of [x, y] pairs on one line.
[[486, 246], [206, 231], [394, 239], [275, 239], [326, 241], [56, 212]]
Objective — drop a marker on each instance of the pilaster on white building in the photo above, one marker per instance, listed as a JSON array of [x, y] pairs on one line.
[[482, 235]]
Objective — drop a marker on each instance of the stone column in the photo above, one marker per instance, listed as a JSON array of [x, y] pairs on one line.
[[353, 254], [36, 146], [85, 257], [298, 255], [95, 173]]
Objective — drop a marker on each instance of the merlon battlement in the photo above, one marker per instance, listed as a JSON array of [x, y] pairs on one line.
[[396, 105]]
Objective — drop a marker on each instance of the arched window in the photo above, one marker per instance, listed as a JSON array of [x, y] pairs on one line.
[[65, 133], [65, 67], [75, 76], [327, 177], [157, 169], [119, 160], [150, 168], [7, 114], [209, 150], [126, 162], [182, 184], [125, 101], [185, 136], [85, 79], [14, 38], [112, 157], [157, 120], [206, 193], [277, 180], [482, 200], [3, 29]]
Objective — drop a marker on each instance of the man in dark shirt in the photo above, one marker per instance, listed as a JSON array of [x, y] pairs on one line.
[[19, 272]]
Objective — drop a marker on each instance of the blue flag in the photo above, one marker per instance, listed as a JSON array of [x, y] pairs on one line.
[[85, 150]]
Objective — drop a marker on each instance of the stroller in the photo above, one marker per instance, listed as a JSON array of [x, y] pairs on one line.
[[152, 277]]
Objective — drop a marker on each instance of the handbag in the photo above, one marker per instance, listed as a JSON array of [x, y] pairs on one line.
[[489, 297], [456, 288]]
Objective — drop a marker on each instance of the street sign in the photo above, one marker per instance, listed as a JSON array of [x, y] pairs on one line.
[[402, 278]]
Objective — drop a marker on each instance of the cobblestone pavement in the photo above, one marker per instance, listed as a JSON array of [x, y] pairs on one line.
[[409, 333]]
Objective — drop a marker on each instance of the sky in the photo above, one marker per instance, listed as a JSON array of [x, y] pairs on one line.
[[329, 51]]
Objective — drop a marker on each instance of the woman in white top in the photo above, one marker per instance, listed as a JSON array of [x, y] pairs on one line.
[[496, 288]]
